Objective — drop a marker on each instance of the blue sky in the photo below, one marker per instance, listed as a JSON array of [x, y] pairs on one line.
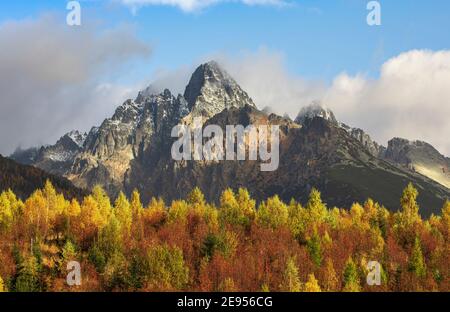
[[318, 38]]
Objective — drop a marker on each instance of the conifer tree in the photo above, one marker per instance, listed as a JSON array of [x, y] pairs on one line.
[[6, 213], [312, 285], [123, 213], [291, 279], [27, 278], [316, 208], [196, 197], [315, 248], [410, 208], [417, 261], [273, 213], [136, 205], [351, 277], [331, 282], [236, 210]]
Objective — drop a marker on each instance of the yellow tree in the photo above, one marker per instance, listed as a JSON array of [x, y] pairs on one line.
[[137, 208], [35, 215], [316, 208], [410, 208], [231, 212], [103, 202], [90, 220], [291, 279], [330, 279], [123, 213], [312, 285], [298, 219], [246, 203], [446, 219], [2, 285], [6, 212], [273, 213]]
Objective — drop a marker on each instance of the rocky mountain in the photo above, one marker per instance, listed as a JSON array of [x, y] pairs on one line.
[[23, 180], [211, 90], [420, 157], [315, 110], [132, 149]]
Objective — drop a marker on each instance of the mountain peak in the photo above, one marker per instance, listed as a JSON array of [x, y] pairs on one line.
[[211, 90], [315, 109]]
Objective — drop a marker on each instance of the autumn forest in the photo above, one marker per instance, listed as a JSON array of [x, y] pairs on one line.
[[237, 245]]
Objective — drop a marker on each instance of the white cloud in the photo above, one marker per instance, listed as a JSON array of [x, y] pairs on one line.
[[264, 76], [51, 78], [409, 99], [194, 5]]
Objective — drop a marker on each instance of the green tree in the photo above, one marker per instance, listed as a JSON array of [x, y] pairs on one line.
[[137, 208], [123, 213], [115, 273], [27, 276], [273, 213], [298, 219], [417, 261], [68, 254], [314, 245], [351, 277], [110, 239], [166, 268], [236, 210]]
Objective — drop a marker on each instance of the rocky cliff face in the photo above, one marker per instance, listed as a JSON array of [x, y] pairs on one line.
[[211, 90], [132, 149], [420, 157]]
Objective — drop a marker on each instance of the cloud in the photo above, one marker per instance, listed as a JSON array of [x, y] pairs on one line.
[[51, 77], [264, 76], [195, 5], [409, 99]]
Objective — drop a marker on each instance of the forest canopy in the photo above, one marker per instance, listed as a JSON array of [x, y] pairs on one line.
[[237, 245]]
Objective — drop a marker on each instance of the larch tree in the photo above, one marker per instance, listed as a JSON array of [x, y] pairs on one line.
[[6, 213], [351, 277], [273, 213], [123, 213], [291, 279], [137, 208], [330, 279], [312, 285], [236, 210], [314, 245], [2, 285], [410, 208], [316, 208], [417, 261]]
